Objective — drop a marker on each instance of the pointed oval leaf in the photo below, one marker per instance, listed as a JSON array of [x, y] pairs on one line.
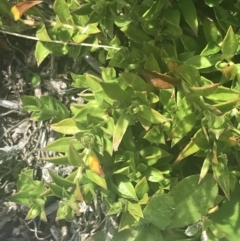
[[192, 200], [67, 126], [151, 64], [62, 10], [229, 44], [114, 92], [62, 144], [189, 12], [125, 187], [59, 160], [226, 221], [154, 175], [223, 94], [135, 81], [189, 149], [152, 154], [210, 30], [151, 115], [222, 175], [60, 181], [184, 125], [120, 129], [33, 212], [100, 181], [160, 210], [205, 167], [135, 210], [142, 188], [41, 52], [200, 62], [189, 73], [73, 157]]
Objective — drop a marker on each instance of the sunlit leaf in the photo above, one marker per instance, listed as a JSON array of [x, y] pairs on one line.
[[192, 200]]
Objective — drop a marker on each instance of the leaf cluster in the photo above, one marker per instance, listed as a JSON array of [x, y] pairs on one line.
[[158, 139]]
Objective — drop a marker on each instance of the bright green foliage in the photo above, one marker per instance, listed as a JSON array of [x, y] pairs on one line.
[[151, 143]]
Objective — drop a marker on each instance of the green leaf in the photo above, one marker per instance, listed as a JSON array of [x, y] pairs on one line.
[[35, 80], [21, 197], [117, 207], [149, 233], [190, 45], [42, 34], [62, 144], [33, 212], [26, 177], [151, 154], [152, 11], [205, 167], [73, 157], [127, 220], [200, 62], [61, 9], [142, 188], [56, 190], [29, 103], [223, 94], [222, 175], [64, 212], [83, 9], [151, 115], [151, 64], [64, 34], [108, 74], [60, 160], [67, 126], [41, 52], [183, 126], [114, 92], [135, 33], [155, 135], [228, 105], [98, 236], [210, 30], [125, 188], [192, 200], [211, 49], [229, 44], [60, 181], [172, 18], [135, 81], [79, 81], [5, 9], [120, 129], [100, 181], [160, 210], [226, 218], [189, 73], [135, 210], [204, 90], [189, 12], [189, 149], [221, 14], [154, 175]]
